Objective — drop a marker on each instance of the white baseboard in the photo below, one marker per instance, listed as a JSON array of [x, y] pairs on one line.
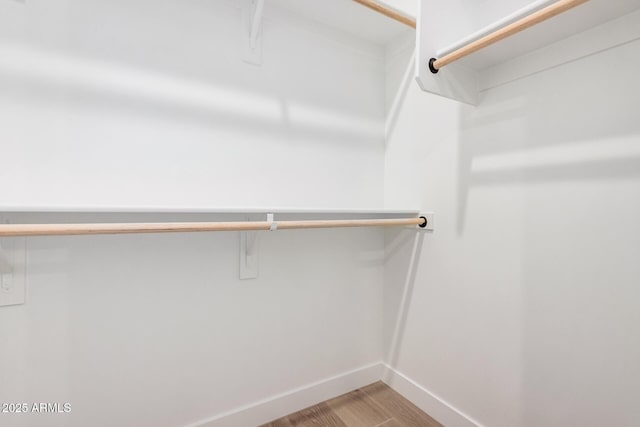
[[426, 400], [277, 406]]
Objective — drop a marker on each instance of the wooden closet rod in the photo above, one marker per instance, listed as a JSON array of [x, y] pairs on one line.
[[172, 227], [507, 31], [387, 11]]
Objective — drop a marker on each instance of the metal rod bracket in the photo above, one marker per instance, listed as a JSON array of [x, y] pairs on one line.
[[12, 271], [428, 225], [6, 267], [248, 254], [252, 31]]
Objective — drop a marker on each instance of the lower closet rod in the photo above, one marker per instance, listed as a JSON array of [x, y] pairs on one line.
[[169, 227]]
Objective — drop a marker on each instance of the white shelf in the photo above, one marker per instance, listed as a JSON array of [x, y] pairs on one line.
[[202, 210], [445, 27]]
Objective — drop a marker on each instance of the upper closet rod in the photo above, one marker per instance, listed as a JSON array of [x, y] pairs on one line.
[[128, 228], [387, 11], [507, 31]]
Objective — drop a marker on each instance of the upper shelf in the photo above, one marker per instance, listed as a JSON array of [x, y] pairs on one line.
[[446, 26], [203, 210]]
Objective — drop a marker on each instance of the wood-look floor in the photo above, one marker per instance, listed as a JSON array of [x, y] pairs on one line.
[[375, 405]]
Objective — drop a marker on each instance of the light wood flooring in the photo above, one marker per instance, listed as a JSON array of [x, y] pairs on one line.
[[375, 405]]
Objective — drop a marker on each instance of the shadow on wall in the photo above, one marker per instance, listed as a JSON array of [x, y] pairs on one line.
[[65, 81], [402, 254], [399, 97], [567, 142], [574, 122], [183, 61]]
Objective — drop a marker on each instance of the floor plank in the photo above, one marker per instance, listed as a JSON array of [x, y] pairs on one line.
[[391, 423], [315, 416], [281, 422], [375, 405], [357, 409], [404, 412]]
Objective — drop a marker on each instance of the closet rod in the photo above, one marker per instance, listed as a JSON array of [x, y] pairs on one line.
[[129, 228], [387, 11], [507, 31]]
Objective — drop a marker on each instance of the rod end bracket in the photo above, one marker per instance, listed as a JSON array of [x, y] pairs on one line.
[[432, 68], [427, 224]]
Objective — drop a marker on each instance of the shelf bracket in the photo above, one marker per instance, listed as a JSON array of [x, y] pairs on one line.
[[252, 29], [428, 216], [5, 265], [12, 271], [248, 255], [249, 249]]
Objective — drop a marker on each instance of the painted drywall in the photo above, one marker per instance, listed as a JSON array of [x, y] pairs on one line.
[[134, 103], [140, 103], [521, 309], [158, 330]]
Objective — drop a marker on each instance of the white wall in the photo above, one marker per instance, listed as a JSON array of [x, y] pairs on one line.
[[146, 103], [523, 304], [158, 330], [112, 91], [518, 311]]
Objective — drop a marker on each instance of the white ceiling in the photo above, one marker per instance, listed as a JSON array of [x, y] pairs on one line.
[[347, 16]]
